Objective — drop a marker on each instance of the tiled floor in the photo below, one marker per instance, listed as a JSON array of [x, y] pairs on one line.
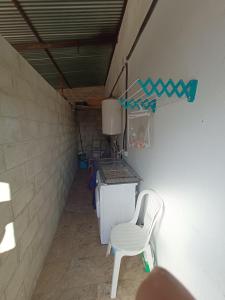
[[76, 266]]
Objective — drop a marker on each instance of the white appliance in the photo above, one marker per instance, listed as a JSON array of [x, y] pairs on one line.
[[115, 204], [115, 197]]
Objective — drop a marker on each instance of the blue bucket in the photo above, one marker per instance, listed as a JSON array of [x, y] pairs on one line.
[[83, 164]]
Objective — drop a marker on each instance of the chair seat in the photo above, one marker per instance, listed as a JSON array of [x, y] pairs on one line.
[[129, 237]]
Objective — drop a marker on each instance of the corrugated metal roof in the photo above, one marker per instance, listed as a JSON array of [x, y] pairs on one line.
[[57, 20]]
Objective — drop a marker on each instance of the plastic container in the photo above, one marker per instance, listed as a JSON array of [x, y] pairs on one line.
[[83, 162]]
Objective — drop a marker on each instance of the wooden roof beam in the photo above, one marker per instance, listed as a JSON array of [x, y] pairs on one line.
[[101, 40]]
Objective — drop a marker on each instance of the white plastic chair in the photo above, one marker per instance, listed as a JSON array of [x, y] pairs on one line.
[[129, 239]]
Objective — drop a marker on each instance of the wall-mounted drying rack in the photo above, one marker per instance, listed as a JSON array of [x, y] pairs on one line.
[[143, 102], [147, 92], [136, 100]]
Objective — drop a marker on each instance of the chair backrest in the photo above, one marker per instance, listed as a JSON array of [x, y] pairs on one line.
[[153, 209]]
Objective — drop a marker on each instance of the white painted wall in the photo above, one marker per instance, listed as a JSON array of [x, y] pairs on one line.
[[185, 164]]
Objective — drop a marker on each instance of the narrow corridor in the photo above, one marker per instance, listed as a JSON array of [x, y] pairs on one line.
[[76, 266]]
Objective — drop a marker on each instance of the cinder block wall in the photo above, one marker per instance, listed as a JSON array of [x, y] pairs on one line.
[[37, 164]]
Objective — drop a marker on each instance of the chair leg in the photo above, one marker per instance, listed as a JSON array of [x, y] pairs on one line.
[[148, 256], [108, 249], [116, 270]]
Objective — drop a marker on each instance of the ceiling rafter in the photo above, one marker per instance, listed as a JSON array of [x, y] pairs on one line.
[[100, 40], [36, 34]]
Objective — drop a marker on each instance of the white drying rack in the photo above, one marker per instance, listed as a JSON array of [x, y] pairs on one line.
[[135, 96], [139, 93]]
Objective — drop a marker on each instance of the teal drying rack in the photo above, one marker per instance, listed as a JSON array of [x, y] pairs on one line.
[[149, 88], [170, 88]]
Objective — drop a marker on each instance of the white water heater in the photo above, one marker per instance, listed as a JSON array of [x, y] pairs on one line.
[[111, 117]]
